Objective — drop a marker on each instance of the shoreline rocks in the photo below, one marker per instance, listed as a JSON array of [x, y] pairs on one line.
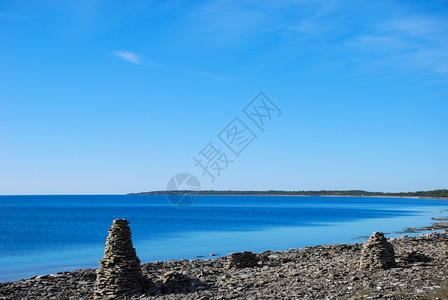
[[319, 272]]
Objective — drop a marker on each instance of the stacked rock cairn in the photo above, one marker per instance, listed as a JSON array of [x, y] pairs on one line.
[[377, 253], [240, 260], [119, 273]]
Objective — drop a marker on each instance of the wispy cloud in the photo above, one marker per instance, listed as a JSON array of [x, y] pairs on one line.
[[372, 38], [135, 58], [420, 41], [128, 56], [226, 23]]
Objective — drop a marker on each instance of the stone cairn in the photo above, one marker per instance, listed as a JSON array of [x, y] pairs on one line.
[[119, 273], [240, 260], [377, 253]]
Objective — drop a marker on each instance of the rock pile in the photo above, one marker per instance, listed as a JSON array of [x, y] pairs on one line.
[[120, 271], [175, 282], [377, 253], [240, 260]]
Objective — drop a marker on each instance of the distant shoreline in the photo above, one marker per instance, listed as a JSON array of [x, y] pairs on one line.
[[435, 194]]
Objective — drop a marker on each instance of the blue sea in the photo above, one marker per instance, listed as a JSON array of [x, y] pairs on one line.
[[48, 234]]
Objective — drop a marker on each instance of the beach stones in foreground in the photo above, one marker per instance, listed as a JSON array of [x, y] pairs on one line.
[[240, 260], [377, 253], [119, 273]]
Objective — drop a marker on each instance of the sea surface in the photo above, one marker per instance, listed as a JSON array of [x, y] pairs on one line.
[[48, 234]]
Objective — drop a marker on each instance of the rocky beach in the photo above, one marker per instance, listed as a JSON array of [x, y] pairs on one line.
[[419, 271]]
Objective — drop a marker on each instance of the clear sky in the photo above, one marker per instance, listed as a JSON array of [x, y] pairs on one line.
[[103, 97]]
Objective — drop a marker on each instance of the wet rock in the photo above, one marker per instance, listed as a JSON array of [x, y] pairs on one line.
[[240, 260]]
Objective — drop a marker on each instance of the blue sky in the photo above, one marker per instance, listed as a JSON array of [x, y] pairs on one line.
[[102, 97]]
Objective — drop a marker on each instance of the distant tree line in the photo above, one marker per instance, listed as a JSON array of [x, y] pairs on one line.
[[431, 194]]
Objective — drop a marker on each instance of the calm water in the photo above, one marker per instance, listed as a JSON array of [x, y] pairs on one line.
[[46, 234]]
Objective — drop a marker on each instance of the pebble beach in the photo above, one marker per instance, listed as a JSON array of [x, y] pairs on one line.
[[320, 272]]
